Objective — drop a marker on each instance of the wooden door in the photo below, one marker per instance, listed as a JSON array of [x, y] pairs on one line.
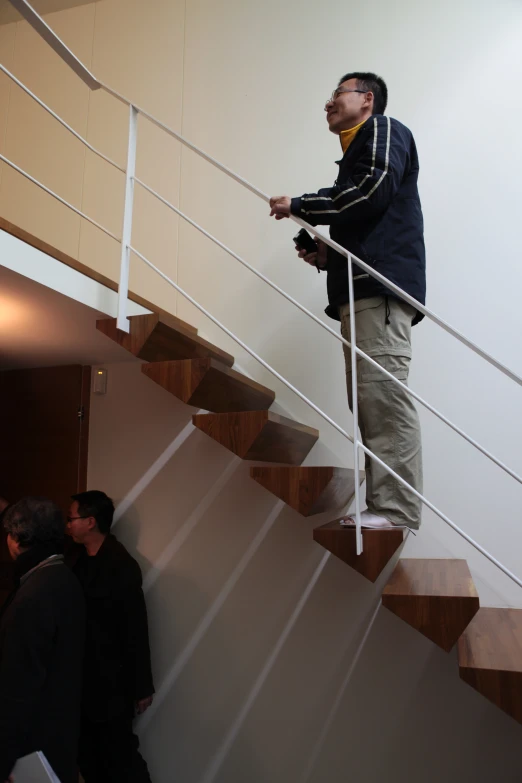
[[44, 426]]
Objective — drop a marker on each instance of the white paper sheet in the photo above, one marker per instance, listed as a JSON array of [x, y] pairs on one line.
[[34, 769]]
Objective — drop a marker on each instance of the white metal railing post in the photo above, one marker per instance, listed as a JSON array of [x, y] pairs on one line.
[[355, 408], [122, 321]]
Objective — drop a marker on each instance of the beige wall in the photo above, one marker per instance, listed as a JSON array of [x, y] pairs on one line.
[[247, 672], [149, 44]]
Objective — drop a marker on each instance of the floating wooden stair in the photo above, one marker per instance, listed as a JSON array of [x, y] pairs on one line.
[[259, 435], [211, 385], [159, 338], [436, 597], [379, 546], [309, 490], [490, 658]]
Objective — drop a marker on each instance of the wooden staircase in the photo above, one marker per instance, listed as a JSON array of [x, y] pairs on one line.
[[435, 597], [490, 658], [307, 490]]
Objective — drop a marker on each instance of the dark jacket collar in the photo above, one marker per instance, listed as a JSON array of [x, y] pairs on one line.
[[33, 557]]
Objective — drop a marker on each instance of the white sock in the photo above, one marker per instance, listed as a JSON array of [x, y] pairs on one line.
[[368, 520]]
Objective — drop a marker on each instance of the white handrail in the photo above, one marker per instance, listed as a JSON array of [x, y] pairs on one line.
[[331, 331], [243, 345], [122, 322], [367, 451], [355, 407], [59, 119], [330, 242], [77, 66], [287, 296], [56, 43], [45, 31]]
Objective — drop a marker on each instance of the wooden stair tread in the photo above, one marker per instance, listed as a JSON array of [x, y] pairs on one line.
[[308, 490], [431, 577], [379, 546], [493, 641], [259, 435], [210, 384], [490, 657], [436, 597], [158, 338]]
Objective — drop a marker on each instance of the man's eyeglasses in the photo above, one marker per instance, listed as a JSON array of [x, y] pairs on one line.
[[340, 90], [71, 519]]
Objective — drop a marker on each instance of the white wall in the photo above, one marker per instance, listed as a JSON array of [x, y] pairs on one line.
[[254, 629], [450, 68]]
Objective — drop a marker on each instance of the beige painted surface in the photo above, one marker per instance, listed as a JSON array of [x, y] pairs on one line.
[[142, 59], [7, 42], [9, 14], [37, 143], [246, 672]]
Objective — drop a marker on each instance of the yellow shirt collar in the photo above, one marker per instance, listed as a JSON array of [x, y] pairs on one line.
[[347, 136]]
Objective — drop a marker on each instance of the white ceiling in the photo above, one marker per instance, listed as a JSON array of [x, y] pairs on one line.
[[40, 327], [8, 13]]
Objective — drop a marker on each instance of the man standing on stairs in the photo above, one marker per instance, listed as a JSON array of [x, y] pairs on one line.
[[117, 671], [373, 210]]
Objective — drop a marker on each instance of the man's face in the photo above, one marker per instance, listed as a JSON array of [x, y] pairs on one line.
[[14, 547], [78, 527], [347, 109]]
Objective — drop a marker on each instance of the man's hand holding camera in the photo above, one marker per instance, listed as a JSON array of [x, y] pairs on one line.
[[318, 258], [280, 208]]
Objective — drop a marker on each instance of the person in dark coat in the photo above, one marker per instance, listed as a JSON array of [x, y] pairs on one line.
[[42, 640], [117, 674]]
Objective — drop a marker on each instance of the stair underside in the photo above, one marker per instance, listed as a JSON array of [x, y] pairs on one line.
[[158, 338], [379, 546], [436, 597], [210, 384], [308, 490], [259, 435], [490, 658]]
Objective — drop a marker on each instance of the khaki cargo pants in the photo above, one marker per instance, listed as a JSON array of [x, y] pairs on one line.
[[388, 419]]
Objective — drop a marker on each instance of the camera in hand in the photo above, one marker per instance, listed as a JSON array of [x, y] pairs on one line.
[[304, 241]]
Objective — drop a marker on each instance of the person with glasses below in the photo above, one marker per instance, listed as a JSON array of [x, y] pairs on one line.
[[117, 673], [374, 211]]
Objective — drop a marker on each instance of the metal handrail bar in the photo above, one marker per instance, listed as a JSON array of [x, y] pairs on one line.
[[59, 198], [77, 66], [359, 443], [59, 119], [440, 514], [283, 293], [329, 329], [330, 242], [243, 345], [55, 42], [45, 31]]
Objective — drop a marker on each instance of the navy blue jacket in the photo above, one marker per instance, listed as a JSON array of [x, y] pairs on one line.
[[374, 211]]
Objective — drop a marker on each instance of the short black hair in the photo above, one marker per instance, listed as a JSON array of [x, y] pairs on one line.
[[373, 83], [34, 520], [97, 504]]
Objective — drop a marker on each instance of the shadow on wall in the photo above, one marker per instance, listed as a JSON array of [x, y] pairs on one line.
[[253, 631], [407, 716]]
